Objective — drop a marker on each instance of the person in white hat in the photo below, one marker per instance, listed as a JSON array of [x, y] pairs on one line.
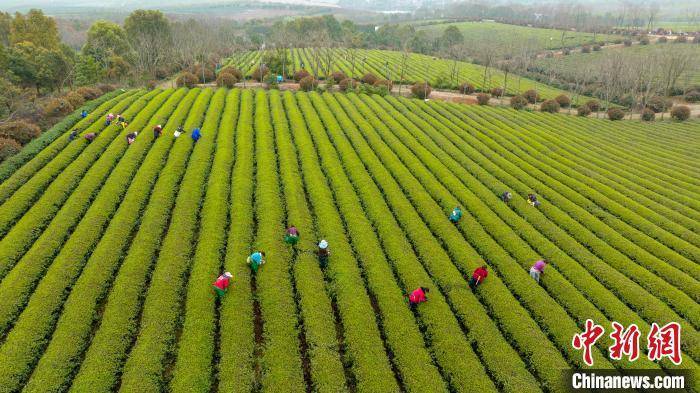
[[131, 137], [323, 253], [221, 284]]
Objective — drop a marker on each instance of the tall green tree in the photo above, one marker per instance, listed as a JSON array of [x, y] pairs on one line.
[[105, 40], [87, 70], [451, 37], [35, 27], [150, 37], [35, 66]]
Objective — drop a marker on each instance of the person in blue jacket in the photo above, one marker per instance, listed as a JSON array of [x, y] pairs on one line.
[[196, 134], [83, 114], [256, 259], [456, 214]]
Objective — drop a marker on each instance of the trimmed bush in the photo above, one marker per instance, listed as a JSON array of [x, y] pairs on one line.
[[203, 76], [648, 114], [58, 107], [532, 96], [518, 102], [384, 82], [583, 110], [151, 84], [338, 76], [644, 40], [301, 74], [662, 40], [563, 100], [20, 130], [681, 39], [550, 106], [659, 104], [226, 80], [369, 78], [627, 101], [186, 79], [627, 42], [421, 90], [483, 98], [496, 91], [693, 96], [696, 39], [8, 147], [566, 52], [466, 88], [616, 114], [75, 99], [308, 83], [232, 71], [586, 49], [593, 105], [348, 83], [259, 73], [597, 48], [680, 112]]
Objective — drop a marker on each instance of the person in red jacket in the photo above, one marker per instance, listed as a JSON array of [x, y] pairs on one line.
[[221, 284], [418, 296], [478, 277]]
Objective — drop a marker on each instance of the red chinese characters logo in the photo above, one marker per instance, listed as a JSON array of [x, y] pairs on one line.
[[665, 342], [626, 342], [662, 342], [586, 340]]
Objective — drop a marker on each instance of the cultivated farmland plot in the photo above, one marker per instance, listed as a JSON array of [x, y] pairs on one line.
[[568, 67], [108, 251], [505, 37], [388, 65]]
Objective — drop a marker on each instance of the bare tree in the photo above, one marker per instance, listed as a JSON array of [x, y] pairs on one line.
[[674, 62], [486, 54]]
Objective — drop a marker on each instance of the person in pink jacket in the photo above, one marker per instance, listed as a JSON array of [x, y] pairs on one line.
[[221, 284], [538, 269], [418, 296]]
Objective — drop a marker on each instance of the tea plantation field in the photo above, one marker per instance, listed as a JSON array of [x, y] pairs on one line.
[[108, 251], [505, 37], [386, 64], [568, 67]]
